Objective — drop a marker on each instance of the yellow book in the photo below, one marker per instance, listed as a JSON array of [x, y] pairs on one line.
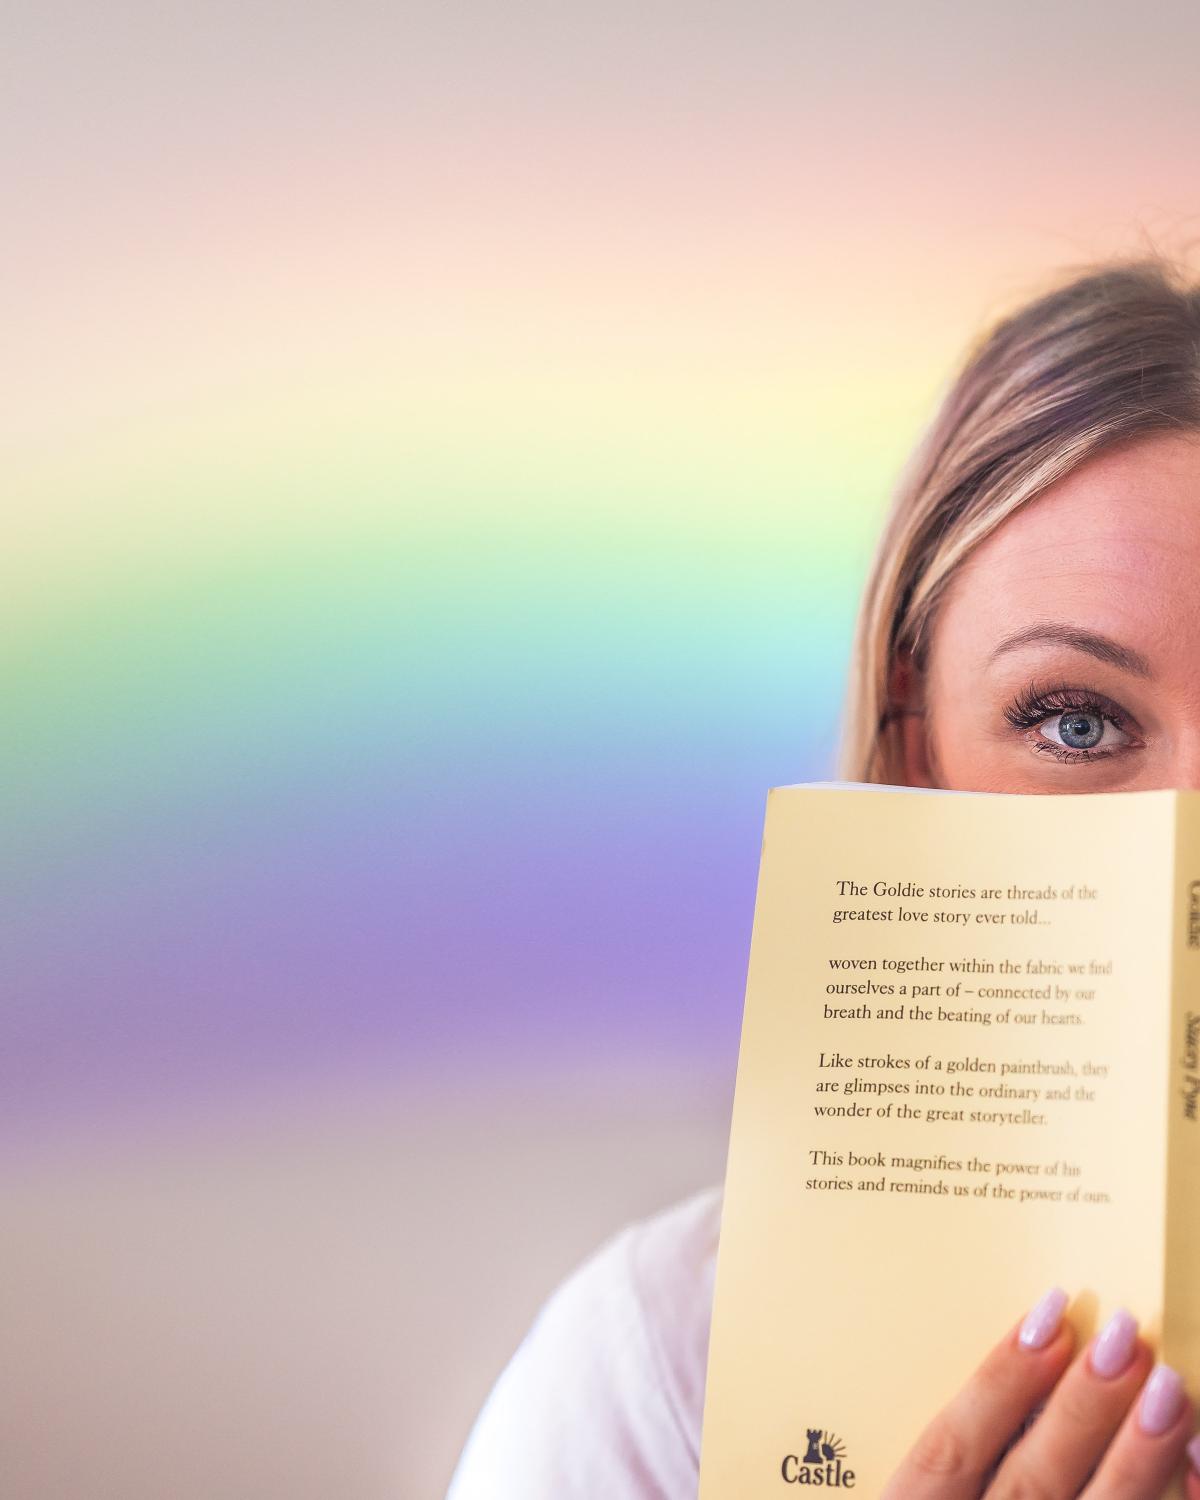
[[968, 1071]]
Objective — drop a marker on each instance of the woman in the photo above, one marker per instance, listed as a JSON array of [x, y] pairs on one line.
[[1031, 623]]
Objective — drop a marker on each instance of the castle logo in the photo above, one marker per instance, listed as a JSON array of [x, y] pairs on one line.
[[822, 1462]]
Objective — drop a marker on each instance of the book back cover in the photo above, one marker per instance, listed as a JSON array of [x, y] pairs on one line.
[[951, 1094]]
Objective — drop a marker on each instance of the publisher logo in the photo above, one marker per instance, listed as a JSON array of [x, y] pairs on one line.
[[821, 1462]]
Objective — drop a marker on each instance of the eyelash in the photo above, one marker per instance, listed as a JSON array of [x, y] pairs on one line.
[[1032, 707]]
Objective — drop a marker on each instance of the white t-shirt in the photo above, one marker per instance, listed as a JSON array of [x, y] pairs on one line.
[[605, 1394]]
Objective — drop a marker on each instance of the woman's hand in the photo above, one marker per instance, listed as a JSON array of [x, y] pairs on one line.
[[1111, 1428]]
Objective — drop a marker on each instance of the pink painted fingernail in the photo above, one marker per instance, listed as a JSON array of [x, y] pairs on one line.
[[1113, 1348], [1193, 1453], [1041, 1322], [1161, 1400]]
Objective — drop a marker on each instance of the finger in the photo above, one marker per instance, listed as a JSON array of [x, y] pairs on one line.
[[954, 1452], [1082, 1415], [1149, 1444]]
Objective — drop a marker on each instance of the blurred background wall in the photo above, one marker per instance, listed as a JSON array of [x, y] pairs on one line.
[[442, 449]]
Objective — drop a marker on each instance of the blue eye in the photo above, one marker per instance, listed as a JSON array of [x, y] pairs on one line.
[[1080, 729], [1068, 722]]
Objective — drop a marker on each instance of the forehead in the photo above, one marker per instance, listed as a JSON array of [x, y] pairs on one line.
[[1116, 542]]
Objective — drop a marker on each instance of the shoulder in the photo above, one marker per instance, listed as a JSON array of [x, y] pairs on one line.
[[672, 1259], [605, 1393]]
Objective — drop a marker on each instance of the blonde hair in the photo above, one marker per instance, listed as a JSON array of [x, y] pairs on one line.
[[1111, 354]]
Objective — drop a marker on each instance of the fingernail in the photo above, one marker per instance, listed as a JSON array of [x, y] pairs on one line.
[[1161, 1400], [1193, 1453], [1113, 1348], [1042, 1320]]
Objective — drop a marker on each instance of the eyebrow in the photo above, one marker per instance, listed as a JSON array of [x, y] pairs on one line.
[[1103, 647]]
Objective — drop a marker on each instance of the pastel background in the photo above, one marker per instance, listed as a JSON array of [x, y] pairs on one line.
[[442, 448]]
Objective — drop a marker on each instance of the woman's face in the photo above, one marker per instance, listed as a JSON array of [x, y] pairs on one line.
[[1065, 655]]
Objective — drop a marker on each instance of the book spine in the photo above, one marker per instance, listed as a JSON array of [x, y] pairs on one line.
[[1181, 1293]]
